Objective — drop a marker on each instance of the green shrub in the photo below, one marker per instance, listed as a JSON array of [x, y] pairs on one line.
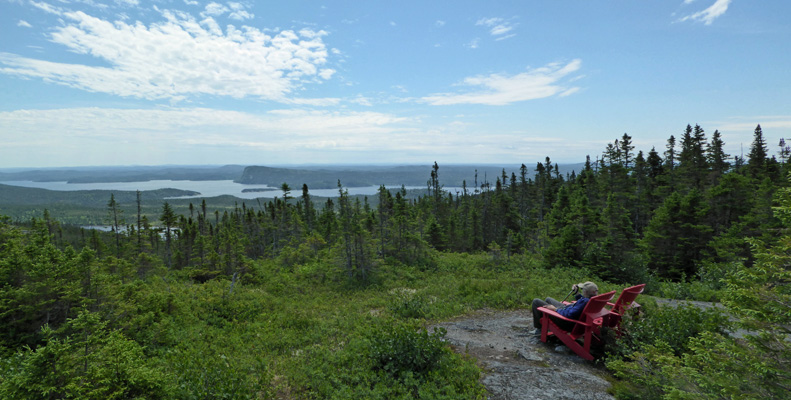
[[403, 349], [648, 356], [407, 304], [674, 326]]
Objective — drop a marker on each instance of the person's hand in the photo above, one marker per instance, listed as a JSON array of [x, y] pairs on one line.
[[575, 288], [550, 307]]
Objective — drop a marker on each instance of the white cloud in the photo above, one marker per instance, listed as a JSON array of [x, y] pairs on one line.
[[362, 100], [439, 23], [708, 15], [473, 43], [234, 10], [178, 58], [326, 73], [46, 7], [240, 15], [238, 12], [323, 102], [500, 30], [23, 24], [488, 21], [208, 136], [502, 89], [215, 9], [190, 2], [748, 124], [497, 27], [151, 136]]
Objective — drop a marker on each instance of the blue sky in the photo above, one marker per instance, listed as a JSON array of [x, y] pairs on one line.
[[133, 82]]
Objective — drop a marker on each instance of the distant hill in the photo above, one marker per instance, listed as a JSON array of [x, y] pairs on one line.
[[16, 195], [126, 174], [412, 175], [316, 177]]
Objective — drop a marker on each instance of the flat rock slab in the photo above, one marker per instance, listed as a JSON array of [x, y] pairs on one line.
[[517, 365]]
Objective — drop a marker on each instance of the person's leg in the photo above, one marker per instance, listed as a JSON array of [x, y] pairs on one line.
[[537, 314], [554, 302]]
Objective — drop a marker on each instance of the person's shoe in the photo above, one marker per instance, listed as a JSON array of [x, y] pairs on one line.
[[537, 332]]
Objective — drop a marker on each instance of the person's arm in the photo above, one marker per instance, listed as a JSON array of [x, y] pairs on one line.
[[573, 311]]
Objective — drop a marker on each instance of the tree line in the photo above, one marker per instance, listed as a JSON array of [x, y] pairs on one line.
[[625, 216]]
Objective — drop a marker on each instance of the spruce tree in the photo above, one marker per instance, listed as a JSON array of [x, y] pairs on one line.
[[168, 217], [756, 160], [675, 240], [116, 217], [716, 156]]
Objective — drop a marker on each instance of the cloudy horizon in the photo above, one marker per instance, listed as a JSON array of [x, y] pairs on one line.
[[189, 82]]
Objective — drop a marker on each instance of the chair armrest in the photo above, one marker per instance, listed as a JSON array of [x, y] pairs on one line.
[[555, 314]]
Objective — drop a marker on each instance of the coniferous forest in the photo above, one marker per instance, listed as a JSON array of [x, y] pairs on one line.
[[295, 298]]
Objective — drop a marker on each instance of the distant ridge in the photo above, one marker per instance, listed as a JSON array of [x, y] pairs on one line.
[[15, 195], [316, 177], [412, 175], [125, 174]]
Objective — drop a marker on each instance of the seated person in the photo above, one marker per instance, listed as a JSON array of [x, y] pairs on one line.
[[571, 311]]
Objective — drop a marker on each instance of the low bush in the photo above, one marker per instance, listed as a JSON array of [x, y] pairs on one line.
[[648, 354], [409, 305], [674, 326], [405, 349]]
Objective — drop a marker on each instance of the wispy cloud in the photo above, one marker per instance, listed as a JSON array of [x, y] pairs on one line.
[[148, 135], [500, 89], [748, 124], [708, 15], [236, 11], [179, 57], [46, 7], [24, 24], [204, 135], [498, 27]]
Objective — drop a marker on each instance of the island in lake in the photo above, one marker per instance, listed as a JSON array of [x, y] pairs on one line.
[[254, 190]]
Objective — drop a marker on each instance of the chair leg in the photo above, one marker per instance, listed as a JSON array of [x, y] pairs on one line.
[[572, 344]]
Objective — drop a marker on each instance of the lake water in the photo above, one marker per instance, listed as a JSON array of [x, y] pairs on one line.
[[205, 188]]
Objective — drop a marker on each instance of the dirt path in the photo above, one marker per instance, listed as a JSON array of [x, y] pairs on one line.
[[518, 365]]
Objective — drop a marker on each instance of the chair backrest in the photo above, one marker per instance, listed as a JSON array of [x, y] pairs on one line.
[[626, 298], [595, 308]]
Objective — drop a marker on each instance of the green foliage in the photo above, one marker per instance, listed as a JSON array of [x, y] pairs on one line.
[[672, 325], [403, 349], [83, 360], [646, 357], [705, 362], [708, 285], [407, 304], [676, 237], [385, 359]]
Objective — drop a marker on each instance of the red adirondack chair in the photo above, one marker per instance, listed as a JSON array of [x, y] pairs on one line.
[[587, 327], [625, 302]]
